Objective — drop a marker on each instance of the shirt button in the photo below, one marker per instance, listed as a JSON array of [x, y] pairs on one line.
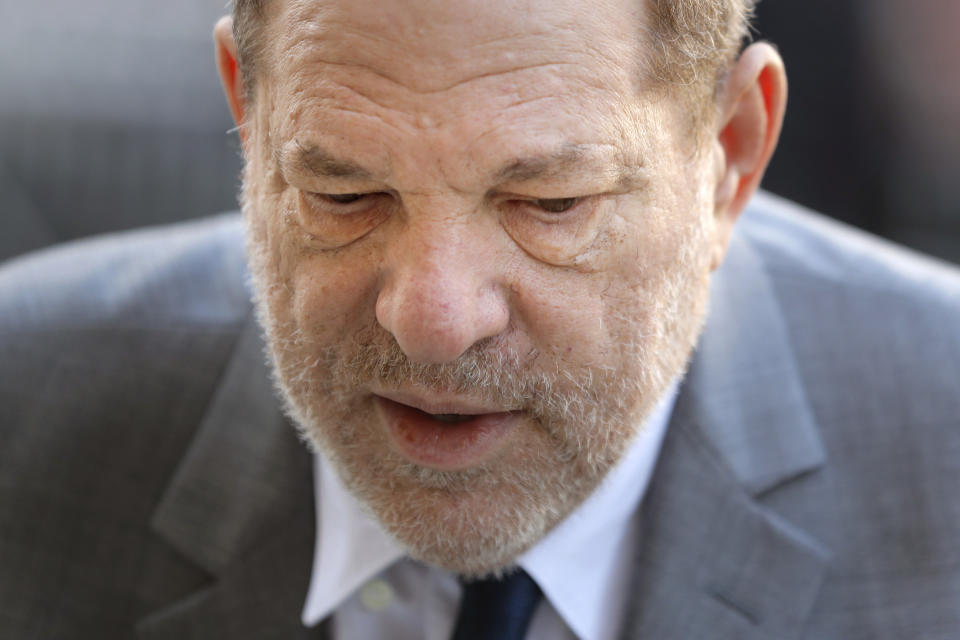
[[376, 596]]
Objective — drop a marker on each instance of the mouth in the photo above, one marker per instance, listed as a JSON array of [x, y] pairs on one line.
[[446, 436], [450, 418]]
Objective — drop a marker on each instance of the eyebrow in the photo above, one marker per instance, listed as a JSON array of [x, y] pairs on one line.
[[561, 161], [568, 159], [317, 161]]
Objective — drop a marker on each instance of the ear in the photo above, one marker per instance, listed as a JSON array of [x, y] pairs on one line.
[[228, 67], [751, 108]]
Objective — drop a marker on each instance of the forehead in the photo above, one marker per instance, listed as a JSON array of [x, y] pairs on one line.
[[454, 79], [432, 45]]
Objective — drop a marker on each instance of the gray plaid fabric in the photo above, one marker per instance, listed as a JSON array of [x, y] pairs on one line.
[[150, 487]]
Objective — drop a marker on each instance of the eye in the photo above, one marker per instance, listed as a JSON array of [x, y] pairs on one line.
[[342, 198], [335, 220], [556, 205], [554, 230]]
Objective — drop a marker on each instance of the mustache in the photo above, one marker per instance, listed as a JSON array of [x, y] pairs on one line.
[[487, 369], [542, 386], [546, 389]]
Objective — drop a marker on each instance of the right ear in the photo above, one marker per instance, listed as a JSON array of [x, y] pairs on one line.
[[229, 68]]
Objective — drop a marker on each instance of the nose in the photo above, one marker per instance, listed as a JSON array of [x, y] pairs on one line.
[[441, 292]]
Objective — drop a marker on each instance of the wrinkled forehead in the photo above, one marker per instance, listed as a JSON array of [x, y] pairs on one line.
[[433, 45]]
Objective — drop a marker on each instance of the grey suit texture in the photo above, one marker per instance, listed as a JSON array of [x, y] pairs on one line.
[[807, 489]]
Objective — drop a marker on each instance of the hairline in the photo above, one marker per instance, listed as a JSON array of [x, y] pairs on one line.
[[676, 63]]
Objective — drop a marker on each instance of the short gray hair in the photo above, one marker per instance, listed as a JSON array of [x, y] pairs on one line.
[[695, 41]]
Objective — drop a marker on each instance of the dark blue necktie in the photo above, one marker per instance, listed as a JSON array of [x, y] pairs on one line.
[[497, 609]]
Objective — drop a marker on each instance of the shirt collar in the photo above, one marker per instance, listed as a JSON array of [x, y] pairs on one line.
[[582, 565], [350, 549]]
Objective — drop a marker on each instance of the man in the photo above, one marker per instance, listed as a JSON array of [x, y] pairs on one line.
[[481, 239]]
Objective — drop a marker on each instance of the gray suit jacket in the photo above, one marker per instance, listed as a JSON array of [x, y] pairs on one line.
[[150, 487]]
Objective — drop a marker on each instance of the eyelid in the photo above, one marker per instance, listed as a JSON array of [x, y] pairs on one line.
[[322, 203], [347, 198], [353, 197], [584, 206], [330, 225], [562, 192], [571, 202], [329, 198], [532, 201]]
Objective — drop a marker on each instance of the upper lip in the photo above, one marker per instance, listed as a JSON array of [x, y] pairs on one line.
[[440, 404]]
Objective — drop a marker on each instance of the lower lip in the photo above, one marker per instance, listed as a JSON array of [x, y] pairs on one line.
[[445, 446]]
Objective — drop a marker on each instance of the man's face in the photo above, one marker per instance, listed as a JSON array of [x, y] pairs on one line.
[[481, 246]]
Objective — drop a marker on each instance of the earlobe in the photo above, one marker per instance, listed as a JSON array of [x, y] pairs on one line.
[[229, 69], [751, 110]]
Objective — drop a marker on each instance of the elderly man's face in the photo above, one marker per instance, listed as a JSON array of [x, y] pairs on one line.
[[481, 245]]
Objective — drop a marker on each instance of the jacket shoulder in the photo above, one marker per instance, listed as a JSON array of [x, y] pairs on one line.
[[111, 350], [875, 331], [191, 273], [798, 244], [874, 326]]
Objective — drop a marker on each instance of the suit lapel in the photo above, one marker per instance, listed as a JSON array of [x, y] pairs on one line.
[[714, 561], [241, 506]]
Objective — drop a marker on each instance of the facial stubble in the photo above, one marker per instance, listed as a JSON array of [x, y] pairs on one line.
[[578, 420]]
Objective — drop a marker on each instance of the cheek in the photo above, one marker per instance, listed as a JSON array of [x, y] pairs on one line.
[[324, 294], [575, 313], [333, 296], [560, 312], [588, 316]]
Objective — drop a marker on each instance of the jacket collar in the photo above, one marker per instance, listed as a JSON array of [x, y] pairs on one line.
[[713, 560], [241, 507]]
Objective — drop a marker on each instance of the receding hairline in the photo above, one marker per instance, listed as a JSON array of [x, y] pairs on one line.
[[692, 44]]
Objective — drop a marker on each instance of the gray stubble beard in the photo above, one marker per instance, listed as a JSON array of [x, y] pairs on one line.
[[477, 521]]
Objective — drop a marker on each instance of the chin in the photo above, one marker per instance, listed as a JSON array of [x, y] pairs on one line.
[[474, 522]]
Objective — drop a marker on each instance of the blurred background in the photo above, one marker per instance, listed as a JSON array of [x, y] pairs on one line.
[[111, 117]]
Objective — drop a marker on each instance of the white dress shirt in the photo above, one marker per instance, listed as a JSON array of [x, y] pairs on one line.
[[361, 575]]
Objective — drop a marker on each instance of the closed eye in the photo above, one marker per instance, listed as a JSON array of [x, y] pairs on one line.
[[345, 204], [556, 205], [342, 198], [547, 205]]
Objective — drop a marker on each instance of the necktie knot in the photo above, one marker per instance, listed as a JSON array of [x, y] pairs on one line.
[[497, 609]]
